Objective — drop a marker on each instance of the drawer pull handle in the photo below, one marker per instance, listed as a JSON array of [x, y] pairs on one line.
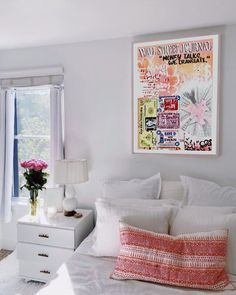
[[42, 255], [45, 271], [44, 236]]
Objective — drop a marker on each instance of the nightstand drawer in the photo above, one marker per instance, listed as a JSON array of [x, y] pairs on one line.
[[43, 254], [46, 236], [37, 271], [46, 243]]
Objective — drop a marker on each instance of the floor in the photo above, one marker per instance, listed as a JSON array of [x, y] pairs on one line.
[[4, 253], [10, 282]]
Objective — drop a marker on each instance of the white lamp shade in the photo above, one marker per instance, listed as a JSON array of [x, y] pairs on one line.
[[71, 171]]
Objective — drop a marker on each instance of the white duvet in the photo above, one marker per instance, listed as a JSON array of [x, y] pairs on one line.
[[86, 275]]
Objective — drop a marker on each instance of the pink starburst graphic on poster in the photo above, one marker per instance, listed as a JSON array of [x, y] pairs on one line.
[[198, 111]]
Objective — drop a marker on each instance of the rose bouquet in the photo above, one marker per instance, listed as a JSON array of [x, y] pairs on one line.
[[35, 178]]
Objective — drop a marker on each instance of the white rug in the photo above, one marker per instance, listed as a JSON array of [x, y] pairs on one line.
[[10, 283]]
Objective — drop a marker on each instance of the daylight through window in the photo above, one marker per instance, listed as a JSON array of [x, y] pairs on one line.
[[32, 129]]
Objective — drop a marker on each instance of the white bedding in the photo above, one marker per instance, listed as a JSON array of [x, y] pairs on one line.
[[86, 275]]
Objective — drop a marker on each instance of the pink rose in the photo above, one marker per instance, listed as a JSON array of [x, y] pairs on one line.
[[33, 164], [23, 164]]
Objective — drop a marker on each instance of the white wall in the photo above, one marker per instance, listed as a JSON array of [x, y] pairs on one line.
[[98, 110], [8, 235], [1, 235]]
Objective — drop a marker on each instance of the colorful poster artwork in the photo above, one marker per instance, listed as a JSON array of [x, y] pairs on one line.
[[169, 139], [175, 96], [147, 123]]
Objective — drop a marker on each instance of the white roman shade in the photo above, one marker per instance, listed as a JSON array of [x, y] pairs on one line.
[[32, 77]]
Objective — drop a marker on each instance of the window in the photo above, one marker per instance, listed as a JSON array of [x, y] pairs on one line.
[[32, 129]]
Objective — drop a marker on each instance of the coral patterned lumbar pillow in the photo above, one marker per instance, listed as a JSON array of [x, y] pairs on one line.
[[189, 260]]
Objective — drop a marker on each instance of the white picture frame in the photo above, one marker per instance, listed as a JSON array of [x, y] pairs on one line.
[[165, 71]]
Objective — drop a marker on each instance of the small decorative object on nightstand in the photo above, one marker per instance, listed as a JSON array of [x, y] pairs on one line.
[[70, 172], [45, 244], [53, 197]]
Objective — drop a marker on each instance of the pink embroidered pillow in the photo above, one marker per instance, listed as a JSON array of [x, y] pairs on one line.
[[189, 260]]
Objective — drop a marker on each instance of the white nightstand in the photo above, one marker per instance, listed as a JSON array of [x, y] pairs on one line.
[[45, 244]]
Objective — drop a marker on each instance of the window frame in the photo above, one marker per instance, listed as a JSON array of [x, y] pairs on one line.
[[17, 137]]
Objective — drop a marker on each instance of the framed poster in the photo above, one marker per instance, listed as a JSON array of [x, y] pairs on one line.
[[175, 96]]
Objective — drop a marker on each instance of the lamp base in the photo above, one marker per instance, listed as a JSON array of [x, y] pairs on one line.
[[69, 213]]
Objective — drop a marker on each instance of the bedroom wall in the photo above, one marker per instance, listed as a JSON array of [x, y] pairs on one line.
[[1, 236], [8, 232], [98, 111]]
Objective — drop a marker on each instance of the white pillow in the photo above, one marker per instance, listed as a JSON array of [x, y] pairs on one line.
[[203, 219], [107, 238], [149, 188], [142, 202], [206, 193], [172, 190]]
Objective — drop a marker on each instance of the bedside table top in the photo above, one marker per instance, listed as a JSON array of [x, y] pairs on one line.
[[57, 221]]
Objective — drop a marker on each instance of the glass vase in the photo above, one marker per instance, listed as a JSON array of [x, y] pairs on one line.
[[34, 203]]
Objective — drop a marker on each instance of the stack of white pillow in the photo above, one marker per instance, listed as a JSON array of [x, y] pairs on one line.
[[204, 206]]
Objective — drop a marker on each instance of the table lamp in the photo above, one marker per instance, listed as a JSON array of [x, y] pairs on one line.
[[69, 172]]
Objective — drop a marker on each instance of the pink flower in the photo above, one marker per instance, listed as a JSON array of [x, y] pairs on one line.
[[33, 164]]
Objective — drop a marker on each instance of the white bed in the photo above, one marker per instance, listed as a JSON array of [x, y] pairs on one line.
[[84, 274], [88, 275]]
